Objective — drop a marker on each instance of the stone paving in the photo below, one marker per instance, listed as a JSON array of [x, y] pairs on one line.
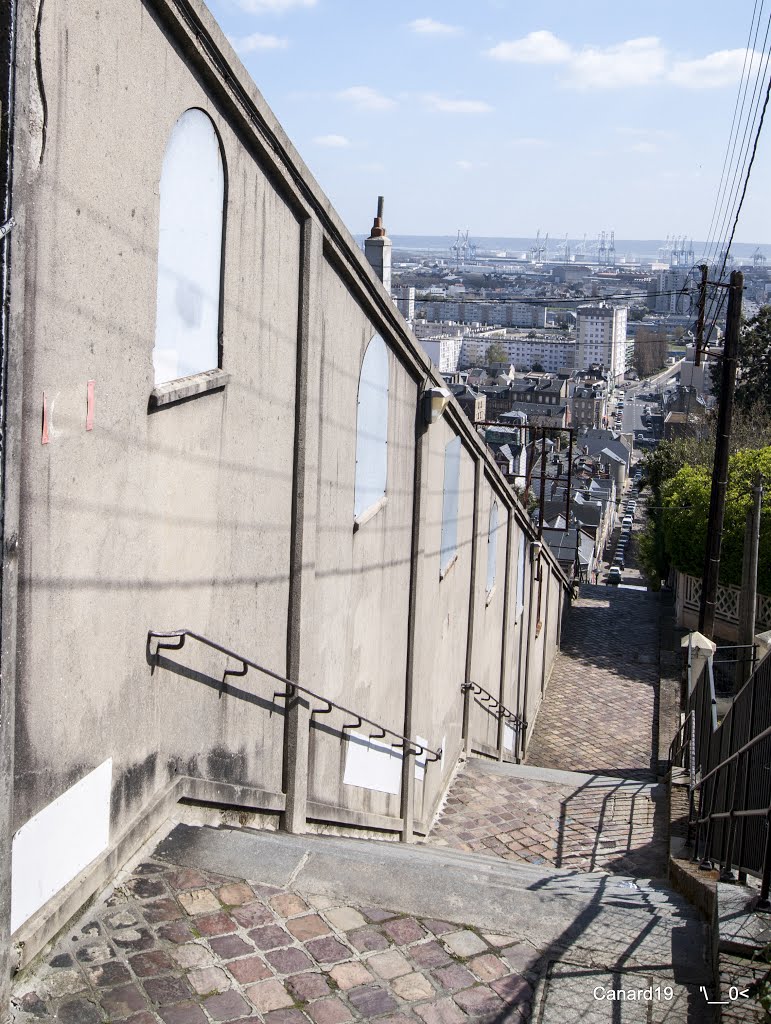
[[598, 718], [598, 712], [180, 946], [608, 826]]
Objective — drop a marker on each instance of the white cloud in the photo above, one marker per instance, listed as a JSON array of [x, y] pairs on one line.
[[634, 62], [642, 147], [332, 141], [446, 106], [536, 48], [366, 98], [258, 41], [724, 67], [527, 142], [272, 6], [471, 165], [429, 27]]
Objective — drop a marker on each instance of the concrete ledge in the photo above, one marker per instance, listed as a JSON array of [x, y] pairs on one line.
[[317, 811], [187, 387], [228, 794]]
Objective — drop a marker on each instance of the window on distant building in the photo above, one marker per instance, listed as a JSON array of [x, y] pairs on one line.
[[449, 544], [192, 199], [492, 547], [371, 429]]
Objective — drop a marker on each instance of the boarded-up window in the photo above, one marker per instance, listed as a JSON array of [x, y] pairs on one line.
[[192, 194], [372, 429], [521, 576], [449, 546], [492, 546]]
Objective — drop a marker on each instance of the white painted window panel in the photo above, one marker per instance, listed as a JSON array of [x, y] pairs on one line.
[[372, 428], [449, 545], [59, 842], [372, 765], [192, 192], [492, 546], [521, 576]]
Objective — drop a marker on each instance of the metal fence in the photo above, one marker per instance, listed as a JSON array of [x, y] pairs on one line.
[[732, 782]]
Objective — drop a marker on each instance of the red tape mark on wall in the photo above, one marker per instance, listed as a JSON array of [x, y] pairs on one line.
[[45, 438], [90, 405]]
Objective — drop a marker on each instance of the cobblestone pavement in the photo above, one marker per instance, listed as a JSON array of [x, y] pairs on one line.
[[607, 826], [598, 712], [179, 946]]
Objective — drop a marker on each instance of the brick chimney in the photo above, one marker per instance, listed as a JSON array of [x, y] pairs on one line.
[[377, 248]]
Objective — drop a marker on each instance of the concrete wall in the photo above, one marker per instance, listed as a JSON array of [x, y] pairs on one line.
[[231, 512]]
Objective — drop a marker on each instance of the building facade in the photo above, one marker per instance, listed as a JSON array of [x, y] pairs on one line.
[[218, 424], [601, 331]]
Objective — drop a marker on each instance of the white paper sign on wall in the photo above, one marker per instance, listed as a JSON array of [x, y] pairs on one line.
[[508, 737], [57, 843], [370, 764]]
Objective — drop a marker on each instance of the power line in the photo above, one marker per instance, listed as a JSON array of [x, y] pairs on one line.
[[741, 162], [713, 220]]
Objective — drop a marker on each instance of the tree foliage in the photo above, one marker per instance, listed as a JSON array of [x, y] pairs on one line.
[[495, 354], [750, 431], [650, 350], [685, 500], [753, 379]]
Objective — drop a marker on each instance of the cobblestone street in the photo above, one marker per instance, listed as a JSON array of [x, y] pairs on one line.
[[597, 718], [182, 946], [599, 824], [598, 713]]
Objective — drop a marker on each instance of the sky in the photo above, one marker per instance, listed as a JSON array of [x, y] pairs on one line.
[[504, 117]]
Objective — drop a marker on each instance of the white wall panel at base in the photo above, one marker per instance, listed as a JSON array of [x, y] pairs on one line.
[[508, 738], [420, 760], [372, 765], [58, 842]]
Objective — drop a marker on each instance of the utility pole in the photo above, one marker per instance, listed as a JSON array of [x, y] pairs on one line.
[[720, 468], [700, 318], [748, 599]]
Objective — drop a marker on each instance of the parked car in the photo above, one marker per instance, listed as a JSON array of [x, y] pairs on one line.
[[614, 575]]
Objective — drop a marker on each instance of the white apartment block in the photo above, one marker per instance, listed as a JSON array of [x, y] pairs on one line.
[[553, 351], [493, 314], [443, 351], [601, 333]]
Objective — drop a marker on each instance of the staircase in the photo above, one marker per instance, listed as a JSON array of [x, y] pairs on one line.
[[224, 924]]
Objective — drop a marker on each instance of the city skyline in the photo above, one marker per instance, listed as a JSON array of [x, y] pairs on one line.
[[509, 120]]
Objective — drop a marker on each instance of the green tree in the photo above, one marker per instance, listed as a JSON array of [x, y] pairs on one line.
[[685, 510], [495, 354], [753, 379], [538, 368]]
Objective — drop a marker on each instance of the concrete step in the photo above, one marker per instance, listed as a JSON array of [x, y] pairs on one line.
[[556, 909], [585, 781]]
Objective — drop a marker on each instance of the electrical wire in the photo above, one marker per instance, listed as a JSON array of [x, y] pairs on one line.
[[734, 131]]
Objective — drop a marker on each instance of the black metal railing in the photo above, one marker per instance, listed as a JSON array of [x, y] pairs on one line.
[[503, 715], [405, 743], [732, 763]]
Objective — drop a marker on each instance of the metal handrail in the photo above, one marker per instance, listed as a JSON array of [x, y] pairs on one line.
[[487, 697], [404, 742]]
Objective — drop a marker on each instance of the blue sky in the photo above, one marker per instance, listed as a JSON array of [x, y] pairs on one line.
[[507, 117]]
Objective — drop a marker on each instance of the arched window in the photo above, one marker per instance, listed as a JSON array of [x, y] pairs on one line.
[[189, 250], [520, 577], [449, 545], [371, 429], [492, 546]]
